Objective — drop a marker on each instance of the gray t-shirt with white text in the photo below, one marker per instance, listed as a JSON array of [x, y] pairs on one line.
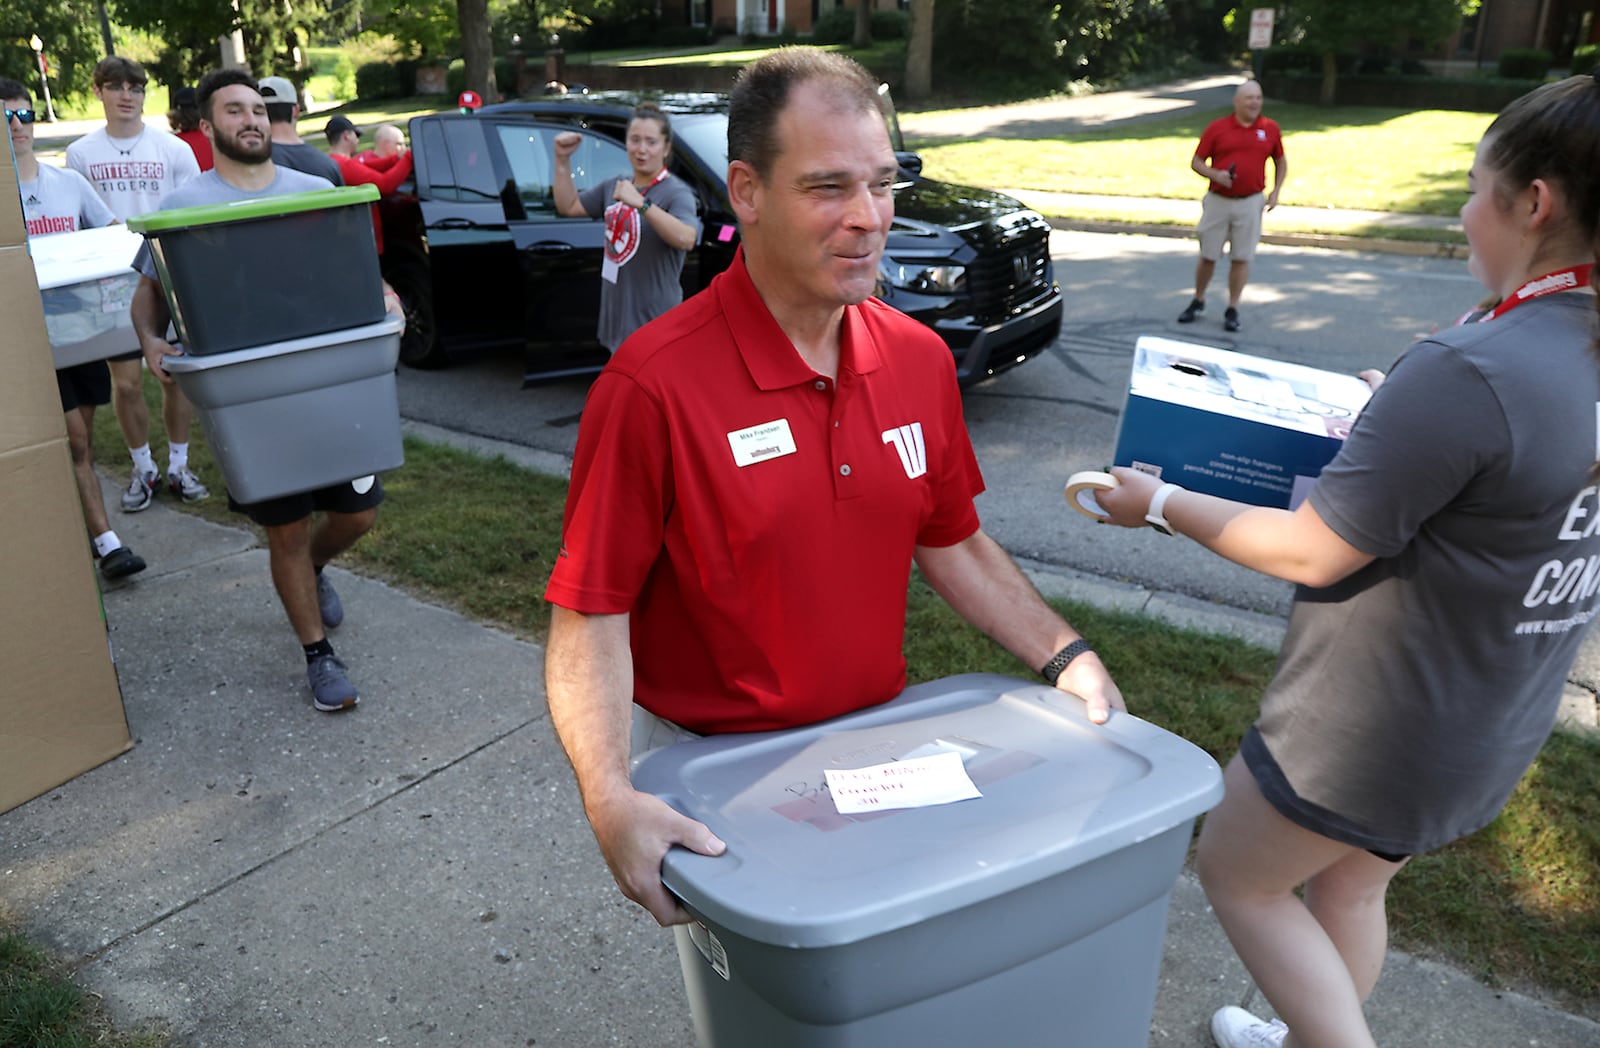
[[1411, 696]]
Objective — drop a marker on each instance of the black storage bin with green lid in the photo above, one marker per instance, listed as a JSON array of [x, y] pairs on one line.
[[254, 272]]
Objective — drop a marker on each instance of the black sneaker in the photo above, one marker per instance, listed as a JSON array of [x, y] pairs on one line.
[[328, 603], [120, 563], [1230, 319], [1192, 310], [331, 690]]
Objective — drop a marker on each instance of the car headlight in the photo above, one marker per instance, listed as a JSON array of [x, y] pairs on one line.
[[925, 279]]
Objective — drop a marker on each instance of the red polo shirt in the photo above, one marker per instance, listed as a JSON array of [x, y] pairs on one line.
[[758, 520], [1225, 141]]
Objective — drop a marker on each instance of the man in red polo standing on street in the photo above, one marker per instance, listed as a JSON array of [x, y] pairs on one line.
[[1233, 155]]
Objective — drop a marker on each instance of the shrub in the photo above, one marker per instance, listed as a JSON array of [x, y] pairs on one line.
[[684, 36], [505, 76], [1585, 59], [1298, 58], [379, 80], [891, 25], [837, 25], [1524, 63], [998, 49]]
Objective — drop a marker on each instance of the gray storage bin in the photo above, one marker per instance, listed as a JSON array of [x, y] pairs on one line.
[[267, 269], [302, 414], [1032, 916]]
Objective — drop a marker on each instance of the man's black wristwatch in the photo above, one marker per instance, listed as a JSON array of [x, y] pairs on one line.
[[1058, 663]]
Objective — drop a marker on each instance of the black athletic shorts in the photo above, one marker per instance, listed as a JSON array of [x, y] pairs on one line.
[[136, 354], [339, 498], [84, 385]]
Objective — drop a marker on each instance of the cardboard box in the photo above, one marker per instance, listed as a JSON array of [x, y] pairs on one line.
[[60, 709], [1228, 424], [13, 231]]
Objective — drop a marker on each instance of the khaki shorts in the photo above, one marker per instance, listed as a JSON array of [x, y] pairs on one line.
[[1235, 221], [652, 733]]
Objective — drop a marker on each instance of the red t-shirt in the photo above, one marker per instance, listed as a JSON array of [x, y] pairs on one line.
[[355, 173], [758, 520], [201, 145], [1225, 141]]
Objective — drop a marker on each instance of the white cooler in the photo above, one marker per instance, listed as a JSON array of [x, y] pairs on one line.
[[86, 280]]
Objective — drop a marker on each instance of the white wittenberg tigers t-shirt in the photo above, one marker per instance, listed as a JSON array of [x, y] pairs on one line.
[[133, 174]]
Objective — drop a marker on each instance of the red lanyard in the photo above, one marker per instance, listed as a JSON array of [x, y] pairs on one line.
[[659, 176], [1569, 279]]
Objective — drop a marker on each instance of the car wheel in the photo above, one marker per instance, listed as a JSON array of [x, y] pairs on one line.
[[406, 269]]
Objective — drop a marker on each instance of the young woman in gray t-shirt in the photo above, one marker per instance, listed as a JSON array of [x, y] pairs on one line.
[[1448, 563]]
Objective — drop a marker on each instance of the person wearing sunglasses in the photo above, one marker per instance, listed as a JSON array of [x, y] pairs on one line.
[[132, 165], [60, 201]]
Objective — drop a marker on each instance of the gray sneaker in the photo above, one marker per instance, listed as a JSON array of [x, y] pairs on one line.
[[328, 602], [183, 483], [141, 489], [331, 690]]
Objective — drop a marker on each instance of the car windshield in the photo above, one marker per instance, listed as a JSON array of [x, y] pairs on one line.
[[706, 135]]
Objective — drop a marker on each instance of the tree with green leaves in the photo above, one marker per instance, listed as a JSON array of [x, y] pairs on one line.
[[428, 31], [71, 44], [919, 50], [477, 50], [863, 34], [272, 29], [1332, 26]]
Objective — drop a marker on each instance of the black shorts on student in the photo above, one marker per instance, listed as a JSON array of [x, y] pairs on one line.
[[337, 498], [84, 385]]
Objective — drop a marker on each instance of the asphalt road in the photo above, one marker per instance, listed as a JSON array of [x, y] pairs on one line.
[[1038, 423]]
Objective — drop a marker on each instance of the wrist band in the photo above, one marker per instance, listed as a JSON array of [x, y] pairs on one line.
[[1058, 662]]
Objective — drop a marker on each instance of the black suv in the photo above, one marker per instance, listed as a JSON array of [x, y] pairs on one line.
[[481, 259]]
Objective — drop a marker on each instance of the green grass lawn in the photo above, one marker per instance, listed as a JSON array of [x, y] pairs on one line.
[[1518, 904], [1367, 159]]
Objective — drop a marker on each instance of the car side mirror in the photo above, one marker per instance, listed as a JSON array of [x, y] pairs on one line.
[[910, 163]]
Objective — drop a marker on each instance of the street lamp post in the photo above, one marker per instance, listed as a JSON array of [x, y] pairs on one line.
[[44, 81]]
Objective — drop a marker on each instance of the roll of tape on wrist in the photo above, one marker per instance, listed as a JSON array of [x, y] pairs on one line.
[[1081, 487]]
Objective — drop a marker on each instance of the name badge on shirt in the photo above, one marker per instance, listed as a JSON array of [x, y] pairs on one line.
[[608, 270], [768, 440]]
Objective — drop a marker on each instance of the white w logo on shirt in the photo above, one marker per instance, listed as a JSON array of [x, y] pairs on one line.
[[907, 440]]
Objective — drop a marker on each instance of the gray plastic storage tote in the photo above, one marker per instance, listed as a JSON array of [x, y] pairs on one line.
[[1030, 916], [299, 415], [265, 270]]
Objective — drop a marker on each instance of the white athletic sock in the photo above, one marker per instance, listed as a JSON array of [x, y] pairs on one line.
[[105, 542], [177, 457], [143, 461]]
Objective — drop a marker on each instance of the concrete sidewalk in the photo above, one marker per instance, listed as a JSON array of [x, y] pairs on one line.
[[418, 872]]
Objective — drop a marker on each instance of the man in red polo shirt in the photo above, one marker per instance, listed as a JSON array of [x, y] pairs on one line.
[[1233, 154], [757, 470]]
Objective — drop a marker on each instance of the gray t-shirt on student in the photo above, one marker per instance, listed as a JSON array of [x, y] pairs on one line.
[[647, 276], [302, 156], [1411, 696], [209, 188]]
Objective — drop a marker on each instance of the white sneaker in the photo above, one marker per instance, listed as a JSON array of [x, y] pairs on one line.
[[1236, 1028]]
